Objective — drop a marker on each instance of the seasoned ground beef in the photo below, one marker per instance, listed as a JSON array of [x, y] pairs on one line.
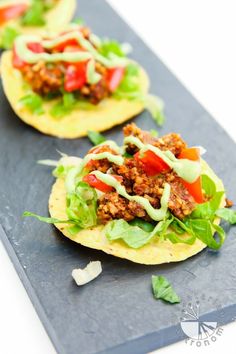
[[97, 92], [113, 206], [136, 182], [48, 78], [44, 78], [172, 142], [100, 165]]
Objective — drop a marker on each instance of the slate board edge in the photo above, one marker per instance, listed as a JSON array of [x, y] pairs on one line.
[[161, 60], [30, 292], [140, 345]]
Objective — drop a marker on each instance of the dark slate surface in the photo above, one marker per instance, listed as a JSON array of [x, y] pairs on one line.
[[117, 310]]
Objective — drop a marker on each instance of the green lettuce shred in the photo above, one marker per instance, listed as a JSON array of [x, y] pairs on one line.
[[162, 289]]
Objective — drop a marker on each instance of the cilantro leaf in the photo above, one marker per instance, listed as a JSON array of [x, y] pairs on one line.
[[162, 289], [33, 102], [227, 214], [8, 36], [95, 137]]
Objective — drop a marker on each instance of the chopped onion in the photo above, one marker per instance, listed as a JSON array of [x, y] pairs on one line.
[[90, 272]]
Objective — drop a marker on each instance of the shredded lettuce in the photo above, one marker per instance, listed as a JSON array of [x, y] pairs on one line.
[[109, 47], [79, 21], [156, 108], [33, 102], [34, 16], [130, 89], [95, 137], [154, 133], [46, 219], [162, 289], [135, 235], [82, 206], [8, 36], [228, 215], [64, 106]]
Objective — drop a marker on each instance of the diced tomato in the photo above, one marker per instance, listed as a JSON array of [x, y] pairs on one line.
[[73, 48], [69, 42], [195, 188], [94, 182], [114, 78], [152, 164], [75, 76], [18, 63], [35, 47], [190, 154], [12, 11]]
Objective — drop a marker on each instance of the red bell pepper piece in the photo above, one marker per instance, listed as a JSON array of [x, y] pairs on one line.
[[152, 164], [12, 11], [195, 188], [94, 182], [75, 76], [114, 78]]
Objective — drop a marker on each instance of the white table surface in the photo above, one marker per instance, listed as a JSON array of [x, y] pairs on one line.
[[196, 40]]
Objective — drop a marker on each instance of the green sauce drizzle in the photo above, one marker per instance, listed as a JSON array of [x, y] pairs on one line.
[[90, 54], [155, 214], [186, 169]]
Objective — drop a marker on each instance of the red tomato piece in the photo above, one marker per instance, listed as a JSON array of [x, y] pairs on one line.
[[114, 78], [69, 42], [18, 63], [35, 47], [152, 164], [94, 182], [195, 188], [12, 11], [75, 76]]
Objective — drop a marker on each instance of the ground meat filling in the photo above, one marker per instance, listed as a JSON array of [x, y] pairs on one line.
[[97, 92], [48, 78], [136, 182], [112, 206], [100, 165], [172, 142], [44, 78]]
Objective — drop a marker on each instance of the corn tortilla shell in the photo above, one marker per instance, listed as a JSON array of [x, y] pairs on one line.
[[56, 18], [105, 115], [156, 252]]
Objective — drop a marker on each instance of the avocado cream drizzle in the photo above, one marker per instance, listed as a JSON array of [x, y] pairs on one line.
[[74, 172], [186, 169], [90, 54], [155, 214]]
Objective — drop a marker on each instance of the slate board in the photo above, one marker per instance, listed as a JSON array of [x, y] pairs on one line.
[[116, 313]]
